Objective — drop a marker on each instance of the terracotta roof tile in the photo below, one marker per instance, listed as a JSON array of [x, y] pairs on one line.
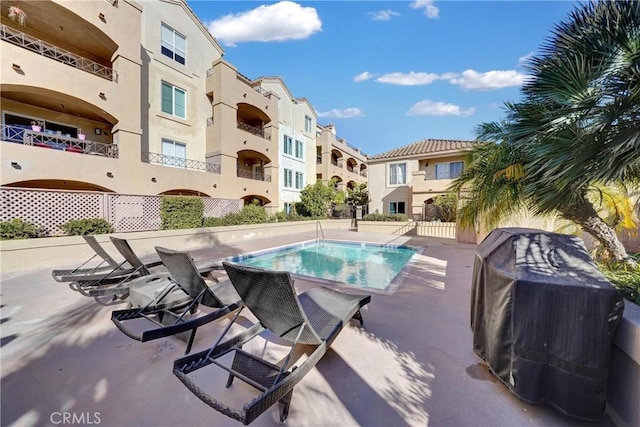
[[425, 146]]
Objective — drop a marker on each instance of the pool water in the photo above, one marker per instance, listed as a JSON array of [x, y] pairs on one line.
[[364, 265]]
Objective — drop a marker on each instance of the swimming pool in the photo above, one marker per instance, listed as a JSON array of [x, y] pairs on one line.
[[364, 265]]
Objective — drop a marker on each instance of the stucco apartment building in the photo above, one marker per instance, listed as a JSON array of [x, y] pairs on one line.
[[404, 180], [338, 160]]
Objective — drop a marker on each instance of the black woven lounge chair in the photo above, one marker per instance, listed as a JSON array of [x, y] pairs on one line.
[[168, 300], [314, 317], [90, 271], [119, 286]]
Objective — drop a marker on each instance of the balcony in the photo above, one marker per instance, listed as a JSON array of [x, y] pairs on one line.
[[254, 130], [179, 162], [257, 176], [20, 135], [56, 53], [363, 173]]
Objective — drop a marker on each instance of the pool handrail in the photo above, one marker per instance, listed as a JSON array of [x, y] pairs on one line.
[[319, 224]]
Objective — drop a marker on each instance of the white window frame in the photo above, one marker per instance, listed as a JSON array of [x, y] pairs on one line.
[[288, 178], [396, 177], [169, 47], [448, 174], [174, 89], [288, 208], [299, 180], [308, 124], [288, 145], [299, 149], [177, 161]]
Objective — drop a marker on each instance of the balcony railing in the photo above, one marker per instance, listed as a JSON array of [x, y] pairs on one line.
[[180, 162], [258, 176], [56, 53], [21, 135], [441, 175], [254, 130], [246, 80]]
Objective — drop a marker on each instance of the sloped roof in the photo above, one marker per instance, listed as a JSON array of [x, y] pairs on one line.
[[425, 146]]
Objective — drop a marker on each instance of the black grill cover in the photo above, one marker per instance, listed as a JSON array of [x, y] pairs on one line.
[[543, 318]]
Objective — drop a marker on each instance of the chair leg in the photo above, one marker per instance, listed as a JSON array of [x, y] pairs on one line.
[[231, 376], [284, 404], [191, 339], [358, 316]]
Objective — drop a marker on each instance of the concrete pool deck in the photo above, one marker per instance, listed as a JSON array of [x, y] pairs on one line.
[[410, 364]]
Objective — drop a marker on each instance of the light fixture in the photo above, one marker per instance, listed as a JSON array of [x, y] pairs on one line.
[[102, 95], [101, 16], [245, 188], [97, 131], [154, 179], [16, 67], [244, 96], [109, 174], [16, 165], [215, 185]]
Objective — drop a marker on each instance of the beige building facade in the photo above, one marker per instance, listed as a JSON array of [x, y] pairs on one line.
[[406, 179], [338, 160]]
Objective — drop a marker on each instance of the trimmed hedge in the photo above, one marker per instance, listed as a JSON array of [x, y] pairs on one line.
[[86, 226], [17, 229], [385, 217], [178, 212]]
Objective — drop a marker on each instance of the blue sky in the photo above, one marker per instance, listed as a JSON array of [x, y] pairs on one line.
[[389, 73]]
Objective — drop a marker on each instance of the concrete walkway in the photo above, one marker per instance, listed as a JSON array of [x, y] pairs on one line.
[[410, 364]]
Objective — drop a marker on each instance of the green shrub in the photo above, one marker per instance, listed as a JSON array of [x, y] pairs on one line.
[[83, 227], [250, 214], [17, 229], [625, 280], [385, 217], [179, 212]]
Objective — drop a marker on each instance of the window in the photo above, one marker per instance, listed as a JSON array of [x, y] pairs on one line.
[[299, 180], [307, 124], [174, 100], [174, 153], [173, 44], [398, 173], [288, 178], [288, 207], [288, 145], [449, 170], [299, 149], [396, 208]]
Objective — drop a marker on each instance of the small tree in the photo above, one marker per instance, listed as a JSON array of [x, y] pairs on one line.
[[358, 195], [447, 207], [316, 199]]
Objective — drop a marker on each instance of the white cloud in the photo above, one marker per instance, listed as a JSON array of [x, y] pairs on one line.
[[365, 75], [430, 10], [281, 21], [473, 80], [411, 79], [347, 113], [437, 108], [383, 15], [524, 59]]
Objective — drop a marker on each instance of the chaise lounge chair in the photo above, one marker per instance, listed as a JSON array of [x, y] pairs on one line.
[[85, 272], [153, 271], [169, 303], [314, 317]]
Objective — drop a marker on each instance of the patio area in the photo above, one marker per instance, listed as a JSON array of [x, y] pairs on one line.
[[410, 364]]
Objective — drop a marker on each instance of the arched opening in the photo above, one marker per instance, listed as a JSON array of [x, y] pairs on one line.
[[59, 184], [184, 192], [336, 158], [255, 198], [251, 165], [352, 165], [252, 119]]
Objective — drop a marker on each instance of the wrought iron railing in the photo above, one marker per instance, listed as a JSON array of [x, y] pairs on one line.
[[22, 135], [258, 176], [56, 53], [179, 162], [254, 130]]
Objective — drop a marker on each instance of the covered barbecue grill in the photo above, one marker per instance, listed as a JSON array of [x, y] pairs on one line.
[[543, 318]]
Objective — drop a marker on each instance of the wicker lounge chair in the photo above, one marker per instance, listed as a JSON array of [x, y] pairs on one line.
[[88, 272], [314, 317], [169, 299], [120, 286]]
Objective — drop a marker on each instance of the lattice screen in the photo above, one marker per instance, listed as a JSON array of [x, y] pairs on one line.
[[50, 208]]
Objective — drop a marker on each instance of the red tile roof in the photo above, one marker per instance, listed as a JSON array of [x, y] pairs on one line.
[[426, 146]]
